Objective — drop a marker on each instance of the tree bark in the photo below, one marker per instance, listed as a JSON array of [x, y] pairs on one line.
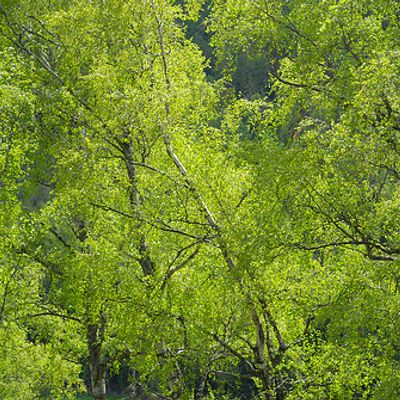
[[145, 261], [96, 361]]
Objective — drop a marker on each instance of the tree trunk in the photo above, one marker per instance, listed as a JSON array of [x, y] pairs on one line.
[[96, 362], [135, 389], [145, 261], [201, 384]]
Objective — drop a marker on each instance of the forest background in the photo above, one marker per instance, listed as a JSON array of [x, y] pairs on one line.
[[199, 199]]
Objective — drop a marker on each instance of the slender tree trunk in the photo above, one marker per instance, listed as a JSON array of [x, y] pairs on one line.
[[200, 388], [94, 335], [263, 369], [96, 362], [145, 261], [135, 388]]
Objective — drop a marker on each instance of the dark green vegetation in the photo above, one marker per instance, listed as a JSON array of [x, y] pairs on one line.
[[200, 199]]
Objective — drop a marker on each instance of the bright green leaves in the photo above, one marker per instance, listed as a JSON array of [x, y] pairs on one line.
[[31, 370], [150, 226], [17, 117], [110, 86], [328, 184]]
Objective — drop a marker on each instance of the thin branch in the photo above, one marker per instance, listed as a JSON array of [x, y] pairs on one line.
[[60, 238], [283, 346], [295, 84], [167, 228], [7, 292], [53, 314], [288, 25], [233, 351], [155, 169], [172, 271], [183, 263], [325, 245], [39, 35], [242, 199], [44, 27]]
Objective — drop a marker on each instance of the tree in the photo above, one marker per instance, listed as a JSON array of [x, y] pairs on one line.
[[229, 239], [117, 96], [326, 168]]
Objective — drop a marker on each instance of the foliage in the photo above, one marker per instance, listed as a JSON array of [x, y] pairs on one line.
[[227, 239]]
